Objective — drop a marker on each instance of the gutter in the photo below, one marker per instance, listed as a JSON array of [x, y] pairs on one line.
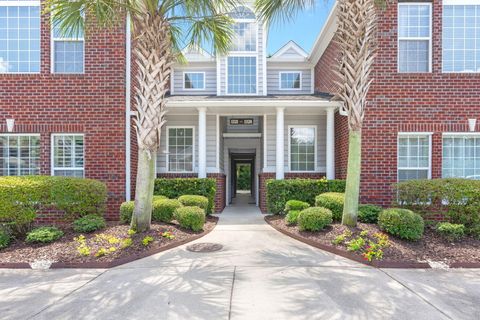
[[128, 147]]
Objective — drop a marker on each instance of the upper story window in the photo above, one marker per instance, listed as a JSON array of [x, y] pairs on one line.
[[19, 154], [194, 80], [414, 156], [67, 51], [245, 30], [290, 80], [414, 37], [19, 36], [461, 37], [242, 75]]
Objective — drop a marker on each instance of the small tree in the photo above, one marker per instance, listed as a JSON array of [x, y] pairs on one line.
[[159, 27]]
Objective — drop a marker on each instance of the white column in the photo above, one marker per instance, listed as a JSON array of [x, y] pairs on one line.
[[280, 147], [330, 144], [202, 142]]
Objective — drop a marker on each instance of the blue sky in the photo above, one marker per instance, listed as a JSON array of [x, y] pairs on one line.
[[303, 29]]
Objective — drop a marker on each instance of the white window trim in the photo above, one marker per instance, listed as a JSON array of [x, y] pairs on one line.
[[27, 3], [290, 148], [289, 89], [250, 55], [429, 38], [25, 135], [461, 2], [52, 50], [416, 134], [464, 135], [194, 138], [194, 89], [52, 153]]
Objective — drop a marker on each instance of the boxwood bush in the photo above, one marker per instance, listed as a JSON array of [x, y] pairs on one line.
[[368, 213], [44, 235], [295, 205], [192, 218], [314, 219], [402, 223], [126, 211], [164, 209], [292, 217], [174, 188], [89, 223], [333, 201], [280, 191], [194, 201], [451, 231]]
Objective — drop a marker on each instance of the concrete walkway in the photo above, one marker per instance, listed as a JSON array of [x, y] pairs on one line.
[[259, 274]]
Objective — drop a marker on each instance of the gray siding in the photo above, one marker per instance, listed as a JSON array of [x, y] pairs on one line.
[[210, 81], [273, 81]]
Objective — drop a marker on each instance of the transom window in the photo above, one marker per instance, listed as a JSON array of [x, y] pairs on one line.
[[414, 37], [242, 75], [461, 38], [19, 36], [180, 149], [19, 154], [242, 12], [461, 157], [67, 51], [245, 37], [414, 156], [302, 148], [194, 80], [290, 80], [68, 155]]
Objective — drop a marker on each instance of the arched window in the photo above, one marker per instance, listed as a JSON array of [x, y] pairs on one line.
[[242, 12], [245, 30]]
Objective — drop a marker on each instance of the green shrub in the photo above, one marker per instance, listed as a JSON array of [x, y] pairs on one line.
[[156, 198], [458, 199], [194, 201], [333, 201], [163, 209], [4, 239], [292, 217], [192, 218], [280, 191], [451, 231], [368, 213], [89, 223], [174, 188], [402, 223], [295, 205], [126, 211], [44, 235], [314, 219]]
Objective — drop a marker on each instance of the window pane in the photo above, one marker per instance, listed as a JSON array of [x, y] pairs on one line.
[[68, 155], [245, 37], [242, 75], [180, 149], [413, 157], [194, 80], [19, 155], [290, 80], [302, 149], [461, 157], [413, 56]]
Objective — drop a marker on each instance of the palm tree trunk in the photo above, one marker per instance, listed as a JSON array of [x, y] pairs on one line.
[[352, 190], [142, 214]]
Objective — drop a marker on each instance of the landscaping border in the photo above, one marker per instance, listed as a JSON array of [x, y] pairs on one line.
[[110, 264], [376, 264]]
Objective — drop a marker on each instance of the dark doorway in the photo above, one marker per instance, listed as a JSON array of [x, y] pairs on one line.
[[242, 174]]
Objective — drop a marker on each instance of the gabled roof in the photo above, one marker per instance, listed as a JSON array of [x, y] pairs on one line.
[[290, 52], [193, 54]]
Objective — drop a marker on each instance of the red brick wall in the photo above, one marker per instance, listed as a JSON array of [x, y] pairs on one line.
[[427, 102], [92, 103], [262, 183]]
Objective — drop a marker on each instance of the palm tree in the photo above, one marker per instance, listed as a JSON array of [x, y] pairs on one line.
[[356, 36], [160, 28]]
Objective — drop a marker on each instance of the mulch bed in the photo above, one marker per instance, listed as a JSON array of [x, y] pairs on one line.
[[63, 252], [400, 253]]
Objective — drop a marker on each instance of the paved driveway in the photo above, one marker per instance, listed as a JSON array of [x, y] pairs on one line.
[[260, 274]]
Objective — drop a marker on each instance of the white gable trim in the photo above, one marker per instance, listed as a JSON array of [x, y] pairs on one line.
[[325, 36], [290, 45]]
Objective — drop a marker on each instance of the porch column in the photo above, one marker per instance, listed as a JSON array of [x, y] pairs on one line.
[[202, 142], [280, 147], [330, 144]]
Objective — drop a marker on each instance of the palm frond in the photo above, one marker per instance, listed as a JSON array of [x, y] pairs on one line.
[[281, 10]]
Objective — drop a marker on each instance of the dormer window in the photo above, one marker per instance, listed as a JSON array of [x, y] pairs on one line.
[[194, 81]]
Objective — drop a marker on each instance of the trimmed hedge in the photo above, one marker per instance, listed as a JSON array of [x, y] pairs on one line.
[[402, 223], [174, 188], [458, 199], [192, 218], [451, 231], [314, 219], [368, 213], [295, 205], [333, 201], [194, 201], [22, 197], [164, 209], [280, 191], [126, 211], [292, 217]]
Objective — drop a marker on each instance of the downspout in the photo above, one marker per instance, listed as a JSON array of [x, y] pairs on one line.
[[128, 57]]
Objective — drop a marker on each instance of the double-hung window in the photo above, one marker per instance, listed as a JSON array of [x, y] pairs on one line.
[[67, 50], [180, 149], [19, 36], [290, 80], [414, 156], [461, 36], [303, 148], [194, 80], [414, 37], [19, 154], [68, 155], [461, 156]]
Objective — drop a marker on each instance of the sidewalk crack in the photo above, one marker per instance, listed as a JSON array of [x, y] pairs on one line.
[[231, 293]]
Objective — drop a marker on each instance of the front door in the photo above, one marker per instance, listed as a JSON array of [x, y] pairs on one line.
[[242, 169]]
